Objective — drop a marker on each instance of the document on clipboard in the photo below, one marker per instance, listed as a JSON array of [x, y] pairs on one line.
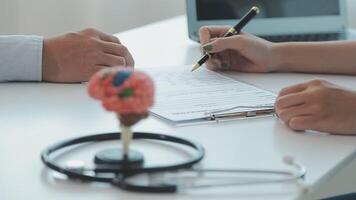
[[184, 98]]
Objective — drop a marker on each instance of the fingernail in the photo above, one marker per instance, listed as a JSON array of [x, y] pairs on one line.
[[276, 114], [225, 66], [208, 47]]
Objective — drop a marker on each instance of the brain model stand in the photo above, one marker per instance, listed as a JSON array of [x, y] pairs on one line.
[[129, 94]]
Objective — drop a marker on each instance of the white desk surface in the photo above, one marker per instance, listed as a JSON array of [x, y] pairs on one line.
[[34, 115]]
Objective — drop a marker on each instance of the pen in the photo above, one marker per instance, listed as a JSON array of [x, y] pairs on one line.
[[232, 31]]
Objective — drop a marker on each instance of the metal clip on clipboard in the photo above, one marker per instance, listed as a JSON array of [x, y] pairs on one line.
[[226, 114]]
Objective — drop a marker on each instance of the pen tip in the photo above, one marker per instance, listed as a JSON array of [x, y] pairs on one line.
[[256, 9], [196, 66]]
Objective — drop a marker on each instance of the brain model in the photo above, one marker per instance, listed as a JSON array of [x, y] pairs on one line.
[[126, 92]]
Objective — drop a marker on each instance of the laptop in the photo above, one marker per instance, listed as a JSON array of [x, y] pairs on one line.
[[278, 21]]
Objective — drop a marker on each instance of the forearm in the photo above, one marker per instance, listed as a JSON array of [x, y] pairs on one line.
[[20, 58], [317, 57]]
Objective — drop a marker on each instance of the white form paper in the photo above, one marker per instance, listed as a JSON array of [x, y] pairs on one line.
[[182, 95]]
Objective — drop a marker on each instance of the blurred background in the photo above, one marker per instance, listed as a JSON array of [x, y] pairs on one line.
[[53, 17]]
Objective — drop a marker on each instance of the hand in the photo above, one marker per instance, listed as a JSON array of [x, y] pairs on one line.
[[318, 105], [244, 52], [74, 57]]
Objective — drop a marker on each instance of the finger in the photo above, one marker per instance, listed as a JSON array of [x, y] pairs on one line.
[[234, 61], [224, 63], [293, 89], [117, 50], [206, 33], [214, 64], [111, 60], [289, 100], [91, 71], [303, 123], [108, 38], [225, 60], [287, 114], [97, 68], [221, 44], [100, 67], [130, 62]]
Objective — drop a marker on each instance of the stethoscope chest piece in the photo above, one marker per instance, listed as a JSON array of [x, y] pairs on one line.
[[115, 157]]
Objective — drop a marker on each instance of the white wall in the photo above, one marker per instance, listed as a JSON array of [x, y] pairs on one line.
[[52, 17]]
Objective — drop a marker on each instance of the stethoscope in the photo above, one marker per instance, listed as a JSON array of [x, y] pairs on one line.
[[169, 178]]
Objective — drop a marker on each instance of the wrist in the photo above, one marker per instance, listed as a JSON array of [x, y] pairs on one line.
[[352, 110], [48, 63], [281, 56]]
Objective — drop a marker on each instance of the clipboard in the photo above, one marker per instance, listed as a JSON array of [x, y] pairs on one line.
[[205, 96], [223, 116]]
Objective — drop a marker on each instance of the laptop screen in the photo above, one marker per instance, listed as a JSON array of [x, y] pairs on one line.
[[233, 9]]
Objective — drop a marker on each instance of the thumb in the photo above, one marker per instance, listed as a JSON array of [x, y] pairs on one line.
[[222, 44]]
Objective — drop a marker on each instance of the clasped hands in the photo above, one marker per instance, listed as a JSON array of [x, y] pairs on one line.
[[74, 57]]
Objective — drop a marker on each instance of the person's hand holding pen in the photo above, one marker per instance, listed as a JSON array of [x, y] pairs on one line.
[[243, 52]]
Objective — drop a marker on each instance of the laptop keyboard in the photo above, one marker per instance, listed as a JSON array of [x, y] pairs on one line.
[[304, 37]]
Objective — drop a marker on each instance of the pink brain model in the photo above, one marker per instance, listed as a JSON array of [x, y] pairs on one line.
[[124, 91]]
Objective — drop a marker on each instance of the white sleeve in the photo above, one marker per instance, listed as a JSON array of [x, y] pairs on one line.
[[21, 58]]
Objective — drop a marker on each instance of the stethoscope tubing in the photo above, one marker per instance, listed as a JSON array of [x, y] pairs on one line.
[[120, 176], [45, 156]]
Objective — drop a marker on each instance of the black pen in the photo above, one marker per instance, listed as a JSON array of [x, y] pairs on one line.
[[232, 31]]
